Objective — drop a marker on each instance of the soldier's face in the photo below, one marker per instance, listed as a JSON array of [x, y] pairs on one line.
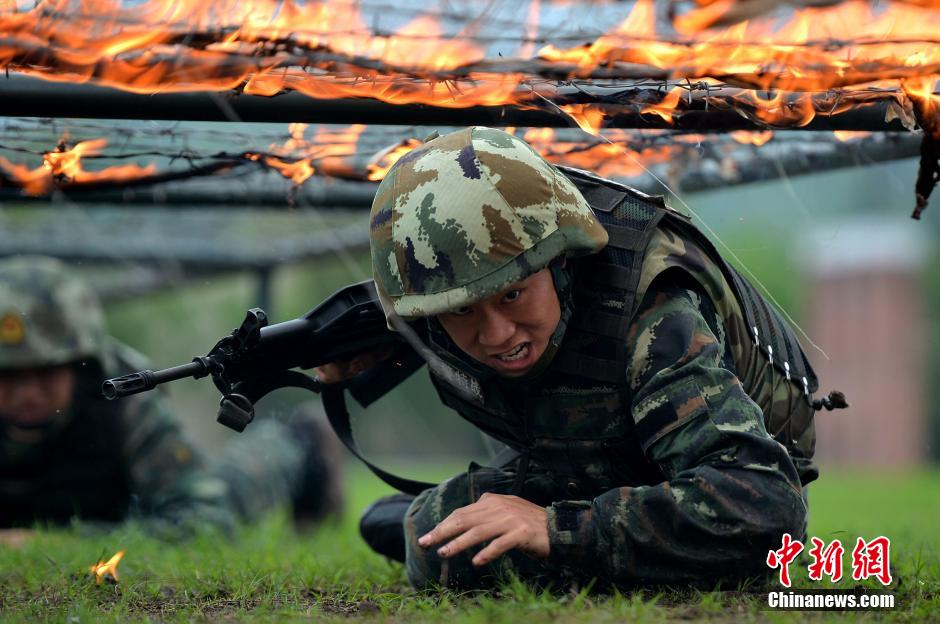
[[510, 330], [33, 397]]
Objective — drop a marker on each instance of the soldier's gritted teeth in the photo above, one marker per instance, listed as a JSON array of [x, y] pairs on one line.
[[511, 330]]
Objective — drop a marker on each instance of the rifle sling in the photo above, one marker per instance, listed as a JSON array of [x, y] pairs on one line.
[[334, 403]]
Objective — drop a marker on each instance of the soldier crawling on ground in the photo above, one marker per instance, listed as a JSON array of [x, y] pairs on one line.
[[662, 412], [65, 452]]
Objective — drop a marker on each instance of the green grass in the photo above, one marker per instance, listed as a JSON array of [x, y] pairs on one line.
[[267, 572]]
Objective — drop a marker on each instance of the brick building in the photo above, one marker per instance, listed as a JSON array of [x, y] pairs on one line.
[[866, 310]]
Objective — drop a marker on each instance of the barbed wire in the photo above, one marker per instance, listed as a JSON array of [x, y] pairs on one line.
[[355, 164], [188, 53]]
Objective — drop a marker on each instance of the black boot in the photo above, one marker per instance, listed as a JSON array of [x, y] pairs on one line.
[[320, 492], [382, 525]]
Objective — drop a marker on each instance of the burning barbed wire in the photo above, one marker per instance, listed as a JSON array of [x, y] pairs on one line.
[[382, 161], [331, 153], [62, 166], [350, 153], [326, 50]]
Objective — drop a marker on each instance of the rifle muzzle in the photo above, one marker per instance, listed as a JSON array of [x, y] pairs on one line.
[[127, 385], [142, 381]]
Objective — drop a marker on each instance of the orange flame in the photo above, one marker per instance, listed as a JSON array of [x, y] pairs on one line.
[[326, 50], [667, 105], [607, 157], [807, 54], [380, 163], [296, 140], [33, 181], [104, 570], [65, 162], [603, 157], [752, 138], [639, 24], [297, 172], [420, 44], [850, 135], [328, 153], [588, 117], [334, 149], [62, 166], [922, 93]]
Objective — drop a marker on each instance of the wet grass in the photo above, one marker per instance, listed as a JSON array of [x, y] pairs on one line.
[[269, 573]]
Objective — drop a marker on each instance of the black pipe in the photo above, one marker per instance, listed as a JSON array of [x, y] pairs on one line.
[[22, 96], [762, 165]]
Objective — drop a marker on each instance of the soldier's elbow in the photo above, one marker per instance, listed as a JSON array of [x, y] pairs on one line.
[[785, 514]]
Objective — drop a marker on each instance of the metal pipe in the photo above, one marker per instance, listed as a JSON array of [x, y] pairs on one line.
[[21, 96], [810, 159], [766, 163]]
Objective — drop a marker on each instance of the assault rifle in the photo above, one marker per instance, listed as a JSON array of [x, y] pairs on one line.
[[258, 358]]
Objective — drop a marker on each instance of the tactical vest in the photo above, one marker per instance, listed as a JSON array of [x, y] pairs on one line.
[[78, 472], [574, 420]]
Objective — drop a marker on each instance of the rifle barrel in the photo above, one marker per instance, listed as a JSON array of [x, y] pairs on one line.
[[144, 380]]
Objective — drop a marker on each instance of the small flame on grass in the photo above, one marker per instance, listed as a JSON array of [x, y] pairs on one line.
[[107, 569]]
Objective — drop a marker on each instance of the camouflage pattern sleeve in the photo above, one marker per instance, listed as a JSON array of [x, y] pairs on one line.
[[165, 472], [731, 490]]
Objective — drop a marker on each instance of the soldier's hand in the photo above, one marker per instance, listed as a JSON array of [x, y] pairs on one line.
[[344, 369], [507, 522]]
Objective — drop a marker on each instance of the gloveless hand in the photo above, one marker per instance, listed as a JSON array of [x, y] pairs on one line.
[[342, 370], [509, 521]]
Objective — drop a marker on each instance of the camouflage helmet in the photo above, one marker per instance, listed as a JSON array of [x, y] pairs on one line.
[[47, 317], [465, 215]]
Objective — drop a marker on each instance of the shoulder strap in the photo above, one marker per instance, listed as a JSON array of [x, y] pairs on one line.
[[630, 218], [334, 403], [587, 180]]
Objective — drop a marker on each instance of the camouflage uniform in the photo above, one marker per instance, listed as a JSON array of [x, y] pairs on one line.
[[109, 460], [643, 429]]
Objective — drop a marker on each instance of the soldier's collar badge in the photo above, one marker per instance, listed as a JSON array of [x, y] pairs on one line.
[[12, 330]]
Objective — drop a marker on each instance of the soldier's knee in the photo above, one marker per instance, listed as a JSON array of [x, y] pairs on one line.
[[422, 565], [787, 514], [426, 570], [421, 575], [419, 518], [798, 516]]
